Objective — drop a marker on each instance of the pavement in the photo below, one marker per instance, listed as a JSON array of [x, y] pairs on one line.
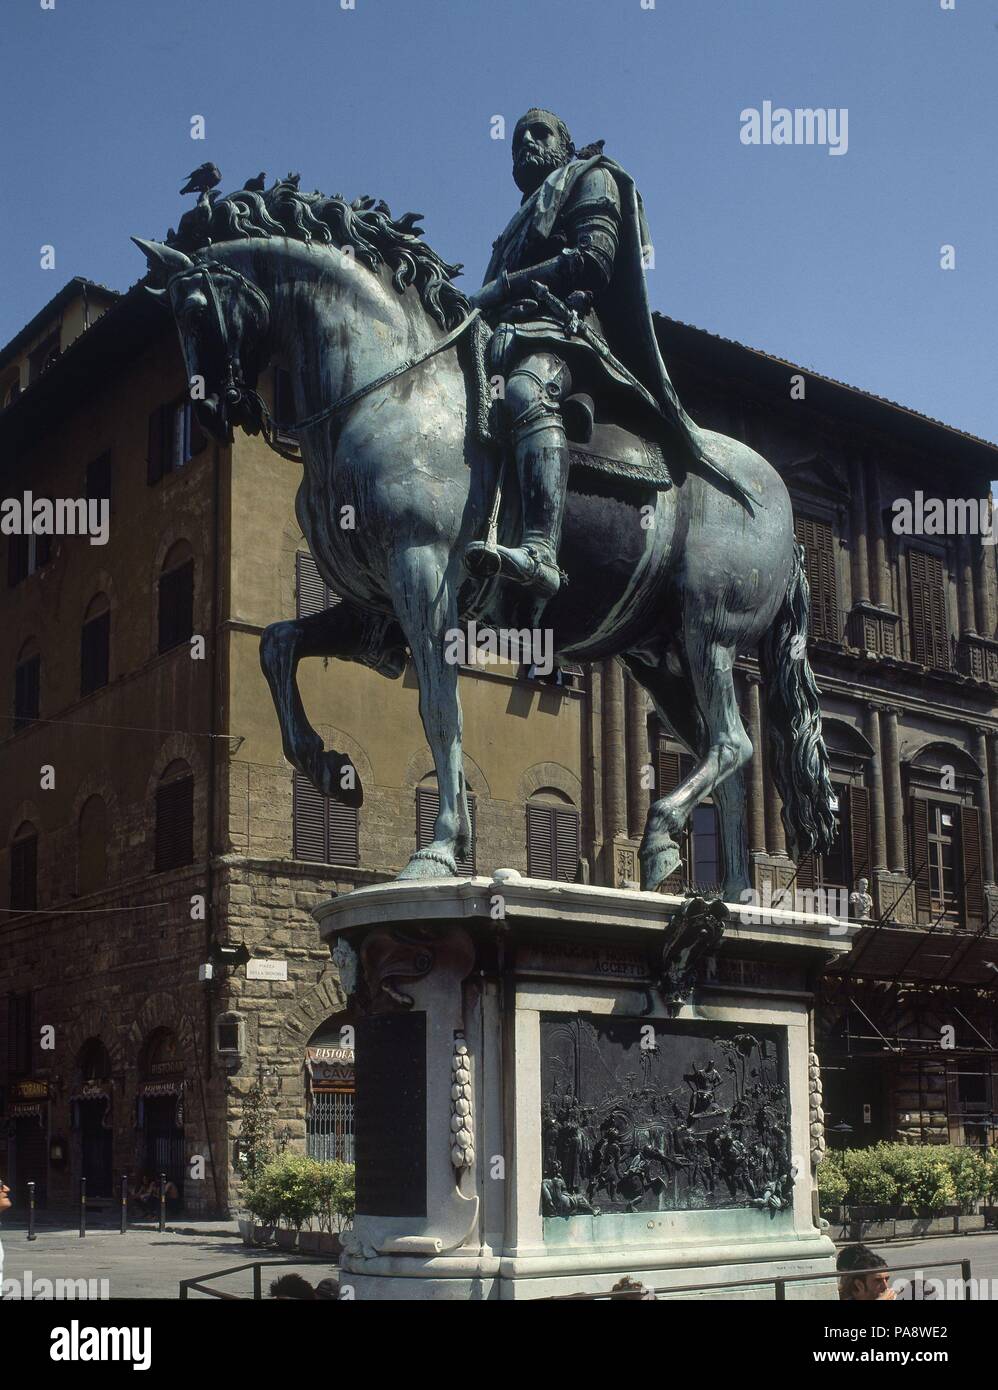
[[142, 1263]]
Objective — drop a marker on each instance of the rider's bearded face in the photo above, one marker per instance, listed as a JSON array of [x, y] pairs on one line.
[[538, 149]]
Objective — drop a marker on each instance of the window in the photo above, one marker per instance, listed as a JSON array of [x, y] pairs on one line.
[[176, 597], [24, 869], [818, 540], [13, 391], [930, 645], [174, 438], [93, 847], [325, 831], [850, 856], [427, 806], [95, 645], [175, 818], [946, 860], [19, 1034], [26, 555], [43, 357], [312, 595], [27, 686], [553, 837], [98, 485]]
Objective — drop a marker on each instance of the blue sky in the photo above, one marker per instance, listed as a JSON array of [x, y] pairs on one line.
[[830, 261]]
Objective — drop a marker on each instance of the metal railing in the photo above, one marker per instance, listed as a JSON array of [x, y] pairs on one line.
[[255, 1265], [627, 1289]]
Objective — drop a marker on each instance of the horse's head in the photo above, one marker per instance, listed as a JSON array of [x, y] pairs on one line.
[[224, 323]]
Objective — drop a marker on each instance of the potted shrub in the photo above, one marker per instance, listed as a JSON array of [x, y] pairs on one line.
[[336, 1204], [872, 1188], [255, 1148], [970, 1181], [832, 1186]]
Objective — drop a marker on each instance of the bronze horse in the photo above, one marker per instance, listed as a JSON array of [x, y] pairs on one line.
[[675, 582]]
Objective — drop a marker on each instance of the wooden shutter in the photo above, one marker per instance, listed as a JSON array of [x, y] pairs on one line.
[[806, 877], [20, 1033], [670, 769], [818, 540], [554, 842], [860, 846], [920, 856], [17, 559], [973, 864], [24, 873], [312, 594], [95, 642], [929, 629], [157, 462], [342, 836], [309, 821], [175, 824], [176, 606], [540, 841], [427, 806], [99, 478], [27, 686]]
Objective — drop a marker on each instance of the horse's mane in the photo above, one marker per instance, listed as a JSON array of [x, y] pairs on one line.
[[368, 228]]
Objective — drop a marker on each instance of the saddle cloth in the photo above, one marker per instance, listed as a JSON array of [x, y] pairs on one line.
[[611, 449]]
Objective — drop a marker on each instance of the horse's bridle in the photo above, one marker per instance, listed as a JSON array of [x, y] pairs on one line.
[[236, 389]]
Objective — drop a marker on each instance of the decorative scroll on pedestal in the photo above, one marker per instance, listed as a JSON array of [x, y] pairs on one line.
[[650, 1116], [462, 1153]]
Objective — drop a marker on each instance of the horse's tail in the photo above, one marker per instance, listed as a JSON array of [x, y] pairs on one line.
[[793, 716]]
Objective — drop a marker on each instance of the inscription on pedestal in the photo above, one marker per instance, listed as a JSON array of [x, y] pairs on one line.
[[646, 1115], [390, 1116]]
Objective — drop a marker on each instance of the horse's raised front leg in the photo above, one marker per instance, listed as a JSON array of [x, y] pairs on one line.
[[424, 597], [342, 631]]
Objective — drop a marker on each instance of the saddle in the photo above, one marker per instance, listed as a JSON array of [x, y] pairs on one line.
[[596, 445]]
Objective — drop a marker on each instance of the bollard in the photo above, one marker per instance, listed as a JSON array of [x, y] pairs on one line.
[[124, 1204], [83, 1207], [162, 1201], [31, 1211], [968, 1289]]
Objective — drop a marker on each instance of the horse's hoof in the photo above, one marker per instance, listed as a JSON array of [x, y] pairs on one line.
[[658, 863], [340, 781], [430, 863]]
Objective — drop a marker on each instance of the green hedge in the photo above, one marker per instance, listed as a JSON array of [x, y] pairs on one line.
[[924, 1179], [292, 1189]]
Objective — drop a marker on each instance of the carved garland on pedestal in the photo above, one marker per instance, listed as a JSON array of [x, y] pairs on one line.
[[816, 1113], [462, 1153]]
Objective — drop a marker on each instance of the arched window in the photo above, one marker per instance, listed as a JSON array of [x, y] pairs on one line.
[[176, 597], [944, 835], [24, 868], [553, 836], [27, 684], [93, 846], [94, 1061], [175, 817], [427, 806], [95, 645], [851, 855], [325, 831]]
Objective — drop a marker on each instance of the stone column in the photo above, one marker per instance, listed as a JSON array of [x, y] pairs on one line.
[[987, 827], [637, 757], [871, 726], [614, 752], [880, 589], [755, 778], [983, 565], [965, 586], [776, 838], [858, 522], [893, 799]]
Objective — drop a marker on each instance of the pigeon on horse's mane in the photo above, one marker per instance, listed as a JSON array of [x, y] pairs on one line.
[[202, 178]]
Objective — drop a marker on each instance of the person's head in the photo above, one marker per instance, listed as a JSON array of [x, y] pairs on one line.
[[865, 1287], [541, 144], [328, 1288], [5, 1201], [291, 1286]]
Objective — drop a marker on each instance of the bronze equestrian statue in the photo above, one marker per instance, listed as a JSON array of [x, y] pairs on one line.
[[676, 542]]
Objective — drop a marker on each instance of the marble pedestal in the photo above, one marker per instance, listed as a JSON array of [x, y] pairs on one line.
[[503, 1022]]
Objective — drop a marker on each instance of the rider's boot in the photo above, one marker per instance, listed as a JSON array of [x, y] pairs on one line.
[[542, 463]]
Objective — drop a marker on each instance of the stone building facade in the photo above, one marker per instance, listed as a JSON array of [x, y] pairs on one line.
[[148, 818]]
